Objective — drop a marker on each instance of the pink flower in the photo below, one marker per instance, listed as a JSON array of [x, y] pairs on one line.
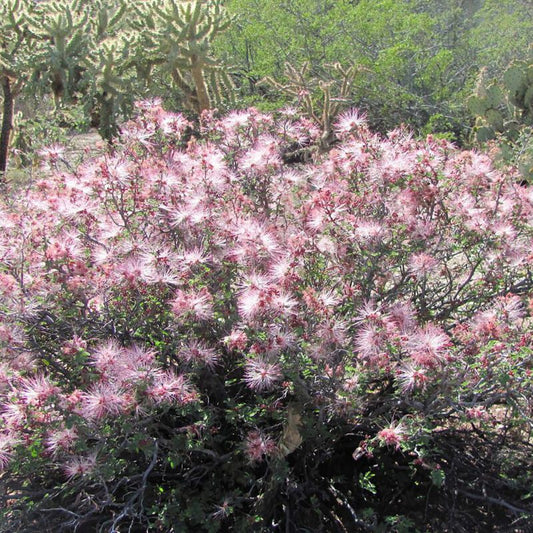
[[37, 390], [260, 375], [8, 283], [170, 388], [411, 377], [198, 303], [279, 340], [403, 316], [477, 413], [135, 366], [283, 304], [136, 269], [74, 345], [332, 332], [236, 340], [428, 346], [173, 124], [192, 212], [511, 308], [370, 313], [106, 356], [150, 104], [421, 264], [392, 436], [368, 230], [61, 439], [80, 465], [104, 400], [64, 247], [258, 446], [193, 257], [7, 443], [198, 352], [371, 342], [350, 121], [52, 154], [5, 377], [251, 302], [14, 415], [263, 157]]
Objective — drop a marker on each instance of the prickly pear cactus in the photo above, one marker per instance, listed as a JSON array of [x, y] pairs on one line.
[[504, 112]]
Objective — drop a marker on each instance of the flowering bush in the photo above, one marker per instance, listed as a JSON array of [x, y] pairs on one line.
[[198, 335]]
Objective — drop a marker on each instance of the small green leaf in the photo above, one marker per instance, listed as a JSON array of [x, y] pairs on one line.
[[438, 477]]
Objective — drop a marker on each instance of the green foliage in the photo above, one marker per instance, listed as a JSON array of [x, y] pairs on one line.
[[417, 59], [16, 39], [420, 58], [410, 70], [502, 33]]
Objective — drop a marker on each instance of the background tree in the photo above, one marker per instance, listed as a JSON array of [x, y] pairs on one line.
[[17, 42]]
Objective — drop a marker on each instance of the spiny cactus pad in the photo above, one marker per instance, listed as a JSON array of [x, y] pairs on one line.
[[495, 119], [485, 133]]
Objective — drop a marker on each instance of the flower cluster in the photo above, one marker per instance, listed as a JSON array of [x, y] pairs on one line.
[[181, 270]]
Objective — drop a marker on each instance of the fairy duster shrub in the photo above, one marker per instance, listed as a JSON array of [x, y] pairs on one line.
[[196, 335]]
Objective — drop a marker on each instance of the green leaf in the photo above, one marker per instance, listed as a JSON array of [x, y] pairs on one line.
[[438, 477]]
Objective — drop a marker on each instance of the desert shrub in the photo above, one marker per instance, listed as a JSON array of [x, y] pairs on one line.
[[198, 336]]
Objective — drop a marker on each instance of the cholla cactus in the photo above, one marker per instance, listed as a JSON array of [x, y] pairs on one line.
[[108, 85], [178, 37], [334, 89], [91, 53], [78, 56], [63, 29], [71, 31]]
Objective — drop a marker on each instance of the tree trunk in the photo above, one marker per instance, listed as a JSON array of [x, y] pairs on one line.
[[7, 124]]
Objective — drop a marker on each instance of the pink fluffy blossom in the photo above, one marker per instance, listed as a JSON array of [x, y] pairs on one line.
[[258, 446], [261, 375], [37, 390], [81, 465], [170, 388], [350, 121], [103, 400], [198, 352], [61, 439], [428, 346], [392, 435], [7, 443]]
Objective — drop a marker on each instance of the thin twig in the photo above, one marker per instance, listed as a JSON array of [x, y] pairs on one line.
[[496, 501]]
